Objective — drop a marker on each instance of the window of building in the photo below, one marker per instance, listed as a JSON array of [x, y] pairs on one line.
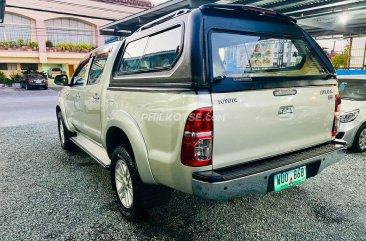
[[3, 66], [29, 66], [15, 27], [12, 66], [64, 30], [158, 51]]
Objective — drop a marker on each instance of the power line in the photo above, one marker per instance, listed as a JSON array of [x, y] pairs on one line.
[[86, 6], [63, 13]]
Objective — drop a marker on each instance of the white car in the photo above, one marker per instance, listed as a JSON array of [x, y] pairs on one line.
[[353, 115]]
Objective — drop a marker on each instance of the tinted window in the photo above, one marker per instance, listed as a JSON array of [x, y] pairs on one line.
[[97, 68], [155, 52], [29, 66], [81, 73], [352, 89], [237, 55], [133, 54], [36, 76]]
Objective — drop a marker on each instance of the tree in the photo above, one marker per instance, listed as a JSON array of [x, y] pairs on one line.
[[340, 61]]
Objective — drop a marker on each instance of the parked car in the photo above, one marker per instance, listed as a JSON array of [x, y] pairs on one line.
[[353, 115], [52, 73], [210, 101], [32, 81]]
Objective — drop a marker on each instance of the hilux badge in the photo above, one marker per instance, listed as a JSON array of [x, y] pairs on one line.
[[284, 92]]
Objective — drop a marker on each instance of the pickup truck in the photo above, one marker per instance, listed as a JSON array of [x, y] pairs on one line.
[[219, 101]]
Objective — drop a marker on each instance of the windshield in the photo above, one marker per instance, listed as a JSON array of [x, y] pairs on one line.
[[236, 55], [352, 89]]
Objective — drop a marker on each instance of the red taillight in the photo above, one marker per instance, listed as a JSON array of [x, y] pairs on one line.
[[30, 81], [45, 81], [197, 138], [337, 115]]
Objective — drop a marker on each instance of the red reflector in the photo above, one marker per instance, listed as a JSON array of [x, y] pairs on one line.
[[197, 138], [337, 114]]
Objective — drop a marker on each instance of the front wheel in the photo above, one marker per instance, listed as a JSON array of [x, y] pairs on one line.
[[359, 143], [64, 134]]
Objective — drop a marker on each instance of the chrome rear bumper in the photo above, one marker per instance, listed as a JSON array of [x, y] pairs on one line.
[[257, 177]]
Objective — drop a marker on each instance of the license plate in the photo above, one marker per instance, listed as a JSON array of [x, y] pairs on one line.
[[290, 178], [38, 81]]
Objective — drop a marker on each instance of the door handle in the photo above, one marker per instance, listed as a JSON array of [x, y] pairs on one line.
[[96, 97]]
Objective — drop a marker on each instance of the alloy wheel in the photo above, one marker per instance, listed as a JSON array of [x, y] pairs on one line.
[[362, 139], [123, 183]]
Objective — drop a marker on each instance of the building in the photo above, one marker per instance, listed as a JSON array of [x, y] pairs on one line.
[[53, 36]]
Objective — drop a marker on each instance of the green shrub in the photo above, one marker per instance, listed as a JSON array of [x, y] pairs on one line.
[[74, 47], [16, 77], [33, 44], [21, 42], [2, 77], [12, 44], [49, 44]]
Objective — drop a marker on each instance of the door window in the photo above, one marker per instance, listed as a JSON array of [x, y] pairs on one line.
[[81, 73], [97, 67]]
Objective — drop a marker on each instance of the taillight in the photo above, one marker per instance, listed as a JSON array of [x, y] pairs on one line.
[[30, 81], [337, 115], [197, 138], [45, 81]]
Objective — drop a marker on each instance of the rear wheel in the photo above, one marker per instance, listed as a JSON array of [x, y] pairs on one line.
[[64, 134], [134, 197], [46, 87], [27, 87], [359, 143]]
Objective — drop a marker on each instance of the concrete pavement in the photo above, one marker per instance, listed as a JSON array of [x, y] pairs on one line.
[[21, 107]]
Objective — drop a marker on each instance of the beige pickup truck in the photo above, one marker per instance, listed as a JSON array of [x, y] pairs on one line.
[[219, 102]]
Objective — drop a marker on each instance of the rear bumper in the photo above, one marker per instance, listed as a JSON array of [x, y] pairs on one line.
[[257, 177]]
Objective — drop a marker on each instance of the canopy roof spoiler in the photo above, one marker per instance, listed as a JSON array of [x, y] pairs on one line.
[[245, 9]]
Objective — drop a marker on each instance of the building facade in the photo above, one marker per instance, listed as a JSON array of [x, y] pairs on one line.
[[53, 36]]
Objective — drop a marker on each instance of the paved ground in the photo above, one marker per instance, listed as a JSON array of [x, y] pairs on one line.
[[49, 194], [19, 107]]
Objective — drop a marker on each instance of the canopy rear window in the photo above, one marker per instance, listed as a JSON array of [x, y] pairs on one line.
[[240, 57]]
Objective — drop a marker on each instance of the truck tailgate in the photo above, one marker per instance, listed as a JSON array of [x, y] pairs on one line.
[[251, 125]]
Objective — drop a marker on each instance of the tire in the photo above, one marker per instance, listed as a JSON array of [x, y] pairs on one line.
[[27, 87], [46, 88], [359, 143], [133, 197], [64, 134]]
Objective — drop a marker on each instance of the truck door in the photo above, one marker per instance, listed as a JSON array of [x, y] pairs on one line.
[[90, 96], [73, 103]]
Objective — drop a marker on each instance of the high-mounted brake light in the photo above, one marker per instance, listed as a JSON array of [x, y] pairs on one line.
[[197, 138], [337, 115]]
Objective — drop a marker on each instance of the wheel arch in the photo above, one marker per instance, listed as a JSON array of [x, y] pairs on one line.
[[127, 134]]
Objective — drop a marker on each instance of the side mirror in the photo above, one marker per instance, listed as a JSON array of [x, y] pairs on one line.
[[61, 80]]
